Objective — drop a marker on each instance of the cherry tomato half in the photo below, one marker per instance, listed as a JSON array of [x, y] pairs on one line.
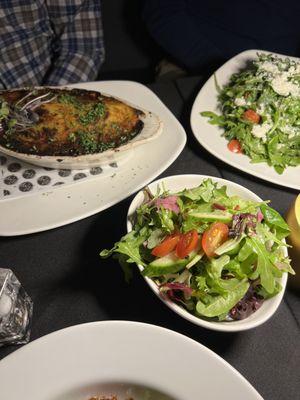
[[166, 246], [251, 116], [187, 243], [235, 146], [213, 237]]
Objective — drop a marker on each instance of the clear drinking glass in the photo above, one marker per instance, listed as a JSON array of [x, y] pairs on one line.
[[15, 310]]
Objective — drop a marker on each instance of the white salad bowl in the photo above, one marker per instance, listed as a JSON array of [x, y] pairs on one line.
[[177, 183]]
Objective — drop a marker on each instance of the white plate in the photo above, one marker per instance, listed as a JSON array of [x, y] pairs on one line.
[[81, 361], [42, 211], [209, 136], [177, 183]]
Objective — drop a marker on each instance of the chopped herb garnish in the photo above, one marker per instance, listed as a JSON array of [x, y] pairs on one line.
[[88, 141], [11, 123], [72, 137], [96, 112], [4, 110], [69, 99], [115, 126], [106, 146]]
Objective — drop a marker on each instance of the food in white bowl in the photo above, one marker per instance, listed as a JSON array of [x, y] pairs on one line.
[[71, 128], [210, 249]]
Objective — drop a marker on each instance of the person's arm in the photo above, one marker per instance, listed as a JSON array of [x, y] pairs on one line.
[[171, 24], [79, 48], [25, 37]]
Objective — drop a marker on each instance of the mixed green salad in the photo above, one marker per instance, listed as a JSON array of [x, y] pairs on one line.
[[216, 255], [260, 112]]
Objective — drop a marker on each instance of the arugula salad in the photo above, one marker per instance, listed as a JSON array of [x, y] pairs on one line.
[[260, 112], [216, 255]]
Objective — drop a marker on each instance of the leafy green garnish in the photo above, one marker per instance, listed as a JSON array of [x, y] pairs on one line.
[[86, 114], [222, 304], [4, 109], [69, 99], [87, 140], [97, 111], [273, 218], [129, 245]]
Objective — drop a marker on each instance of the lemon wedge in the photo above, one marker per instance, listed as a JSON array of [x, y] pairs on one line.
[[297, 209], [293, 220]]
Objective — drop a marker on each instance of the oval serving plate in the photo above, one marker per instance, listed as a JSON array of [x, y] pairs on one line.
[[177, 183], [152, 128]]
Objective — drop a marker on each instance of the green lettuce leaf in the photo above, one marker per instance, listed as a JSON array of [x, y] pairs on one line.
[[273, 218], [165, 220], [130, 246], [204, 191], [264, 265], [222, 304]]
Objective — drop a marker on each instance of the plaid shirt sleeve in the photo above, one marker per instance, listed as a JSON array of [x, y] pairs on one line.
[[78, 49], [49, 42], [25, 37]]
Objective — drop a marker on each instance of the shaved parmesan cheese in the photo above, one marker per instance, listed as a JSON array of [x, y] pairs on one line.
[[240, 101]]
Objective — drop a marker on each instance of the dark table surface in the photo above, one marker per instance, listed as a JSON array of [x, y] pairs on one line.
[[68, 283]]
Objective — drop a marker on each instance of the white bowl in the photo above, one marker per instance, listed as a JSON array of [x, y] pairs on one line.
[[152, 128], [121, 358], [268, 308]]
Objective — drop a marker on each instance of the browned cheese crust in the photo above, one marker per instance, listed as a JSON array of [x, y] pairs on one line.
[[61, 122]]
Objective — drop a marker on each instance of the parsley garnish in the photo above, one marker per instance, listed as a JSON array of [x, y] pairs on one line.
[[72, 137], [97, 111], [88, 141], [4, 110], [69, 99]]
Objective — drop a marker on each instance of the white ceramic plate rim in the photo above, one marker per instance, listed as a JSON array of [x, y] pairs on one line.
[[257, 318], [131, 338], [28, 210], [210, 138]]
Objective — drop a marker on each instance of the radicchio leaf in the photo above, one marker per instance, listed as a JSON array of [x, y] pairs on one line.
[[247, 305], [217, 206], [244, 222], [169, 203], [170, 289], [259, 216]]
